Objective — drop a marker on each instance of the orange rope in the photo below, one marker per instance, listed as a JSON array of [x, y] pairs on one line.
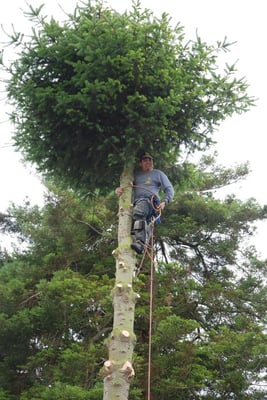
[[150, 315], [151, 256]]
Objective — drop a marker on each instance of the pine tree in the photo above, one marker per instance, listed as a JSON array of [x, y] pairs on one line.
[[91, 94]]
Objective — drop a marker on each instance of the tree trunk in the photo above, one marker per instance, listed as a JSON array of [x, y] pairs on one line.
[[118, 368]]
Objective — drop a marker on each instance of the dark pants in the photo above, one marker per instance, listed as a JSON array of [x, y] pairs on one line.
[[141, 213]]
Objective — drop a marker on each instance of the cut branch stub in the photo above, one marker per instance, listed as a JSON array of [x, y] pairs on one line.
[[127, 369], [108, 368]]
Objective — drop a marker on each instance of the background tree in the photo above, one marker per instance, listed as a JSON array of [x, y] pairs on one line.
[[207, 322], [89, 95], [53, 298]]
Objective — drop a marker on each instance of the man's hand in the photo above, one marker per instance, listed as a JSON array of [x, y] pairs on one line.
[[162, 205], [118, 191]]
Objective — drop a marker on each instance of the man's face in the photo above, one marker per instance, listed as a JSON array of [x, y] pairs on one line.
[[146, 164]]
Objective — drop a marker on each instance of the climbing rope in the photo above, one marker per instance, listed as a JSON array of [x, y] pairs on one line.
[[150, 246], [150, 314], [149, 251]]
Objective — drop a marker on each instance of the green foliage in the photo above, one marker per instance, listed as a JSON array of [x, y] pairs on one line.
[[66, 232], [55, 331], [208, 340], [60, 391], [90, 94], [55, 311], [5, 396]]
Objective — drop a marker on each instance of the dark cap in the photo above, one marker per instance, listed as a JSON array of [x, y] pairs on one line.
[[145, 155]]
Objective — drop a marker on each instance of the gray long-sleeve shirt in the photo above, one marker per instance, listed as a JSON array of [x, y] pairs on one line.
[[149, 183]]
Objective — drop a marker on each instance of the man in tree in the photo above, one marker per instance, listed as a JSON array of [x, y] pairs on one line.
[[147, 184]]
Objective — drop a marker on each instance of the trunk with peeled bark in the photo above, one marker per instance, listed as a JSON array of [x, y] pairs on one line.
[[118, 369]]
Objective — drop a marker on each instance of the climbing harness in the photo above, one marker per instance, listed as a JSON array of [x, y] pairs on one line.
[[154, 218]]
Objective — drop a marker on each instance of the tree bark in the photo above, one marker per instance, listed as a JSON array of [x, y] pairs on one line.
[[118, 369]]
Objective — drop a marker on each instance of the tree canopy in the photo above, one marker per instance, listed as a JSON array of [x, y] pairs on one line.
[[91, 93]]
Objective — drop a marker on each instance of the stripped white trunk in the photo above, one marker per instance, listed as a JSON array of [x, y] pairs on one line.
[[118, 369]]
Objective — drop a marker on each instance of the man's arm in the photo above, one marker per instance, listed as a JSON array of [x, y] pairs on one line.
[[167, 188]]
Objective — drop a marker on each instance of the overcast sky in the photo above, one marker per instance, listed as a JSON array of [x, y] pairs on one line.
[[240, 138]]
